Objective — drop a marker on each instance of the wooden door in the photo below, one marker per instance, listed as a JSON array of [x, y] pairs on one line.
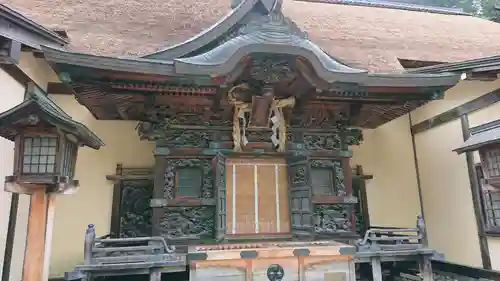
[[257, 197], [301, 207]]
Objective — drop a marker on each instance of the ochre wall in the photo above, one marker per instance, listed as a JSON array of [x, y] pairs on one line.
[[387, 154], [92, 202], [12, 94], [446, 193]]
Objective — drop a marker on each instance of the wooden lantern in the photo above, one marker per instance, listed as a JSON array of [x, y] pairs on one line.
[[44, 155], [46, 144]]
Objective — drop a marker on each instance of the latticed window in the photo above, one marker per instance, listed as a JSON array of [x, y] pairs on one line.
[[68, 158], [490, 203], [491, 162], [39, 155]]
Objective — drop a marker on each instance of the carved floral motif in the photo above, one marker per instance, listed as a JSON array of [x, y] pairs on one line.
[[135, 213], [188, 223], [323, 142], [330, 219], [173, 164]]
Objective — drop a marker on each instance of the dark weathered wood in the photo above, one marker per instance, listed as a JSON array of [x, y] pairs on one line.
[[426, 269], [126, 256], [476, 195], [11, 232], [455, 113], [417, 172], [158, 192], [466, 271], [115, 207], [363, 196], [57, 88]]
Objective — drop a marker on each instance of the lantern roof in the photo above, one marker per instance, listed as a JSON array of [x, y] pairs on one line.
[[38, 103], [481, 136]]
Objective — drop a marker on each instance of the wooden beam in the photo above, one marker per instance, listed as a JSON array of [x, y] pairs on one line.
[[363, 195], [11, 232], [57, 88], [476, 196], [419, 183], [115, 208], [455, 113], [11, 50], [35, 237]]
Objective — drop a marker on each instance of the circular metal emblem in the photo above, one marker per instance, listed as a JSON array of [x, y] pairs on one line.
[[275, 272]]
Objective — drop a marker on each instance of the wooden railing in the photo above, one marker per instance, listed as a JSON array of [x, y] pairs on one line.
[[444, 271], [106, 256]]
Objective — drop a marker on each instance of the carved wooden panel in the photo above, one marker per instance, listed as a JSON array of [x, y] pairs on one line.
[[220, 187], [323, 142], [299, 172], [135, 212], [188, 223], [337, 173], [333, 219], [176, 163]]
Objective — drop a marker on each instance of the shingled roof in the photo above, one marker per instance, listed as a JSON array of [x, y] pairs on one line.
[[364, 36]]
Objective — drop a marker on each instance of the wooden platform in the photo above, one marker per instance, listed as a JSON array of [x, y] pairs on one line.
[[287, 261]]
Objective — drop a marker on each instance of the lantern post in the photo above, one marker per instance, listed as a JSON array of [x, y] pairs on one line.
[[46, 147]]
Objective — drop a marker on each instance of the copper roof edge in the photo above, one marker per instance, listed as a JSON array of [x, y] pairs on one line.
[[19, 18]]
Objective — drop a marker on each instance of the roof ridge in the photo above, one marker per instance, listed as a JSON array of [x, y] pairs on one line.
[[394, 5]]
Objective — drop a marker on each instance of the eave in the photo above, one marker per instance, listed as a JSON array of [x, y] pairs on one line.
[[487, 64], [15, 26], [109, 86], [481, 136], [37, 102], [336, 73]]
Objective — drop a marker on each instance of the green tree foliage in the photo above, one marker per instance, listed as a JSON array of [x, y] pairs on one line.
[[481, 8]]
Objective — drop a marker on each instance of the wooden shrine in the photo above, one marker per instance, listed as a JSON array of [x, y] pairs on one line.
[[253, 125]]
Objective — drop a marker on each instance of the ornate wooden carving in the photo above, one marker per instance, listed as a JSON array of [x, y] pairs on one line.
[[175, 163], [220, 187], [332, 219], [301, 209], [135, 213], [322, 115], [183, 223], [338, 172], [352, 136], [272, 69], [331, 141]]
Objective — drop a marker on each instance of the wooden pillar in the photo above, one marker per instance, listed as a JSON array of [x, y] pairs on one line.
[[51, 204], [35, 237]]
